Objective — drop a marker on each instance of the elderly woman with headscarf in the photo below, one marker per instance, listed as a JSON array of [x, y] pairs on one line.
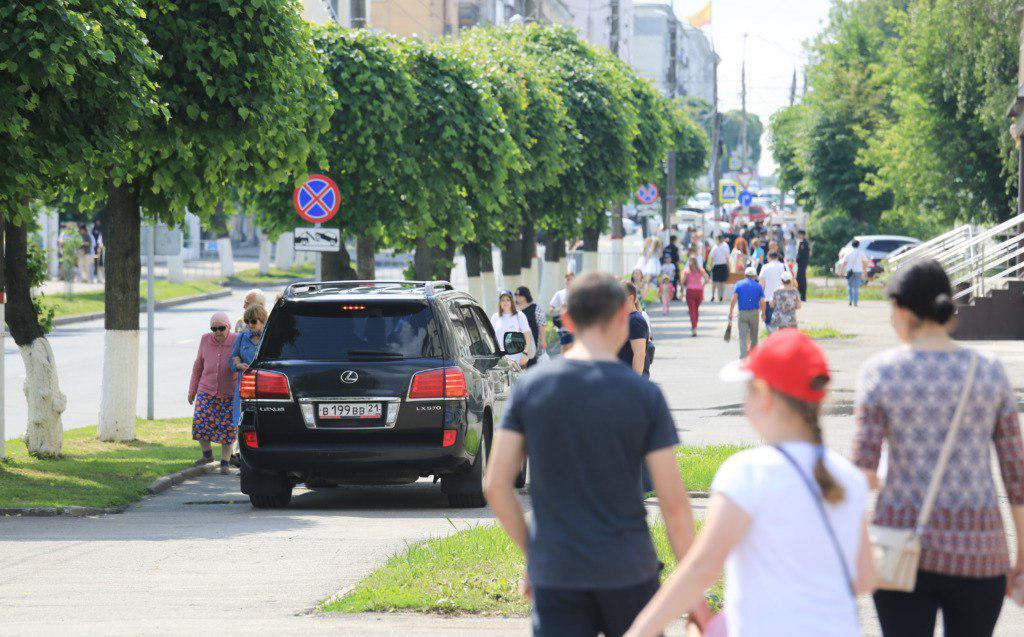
[[211, 390]]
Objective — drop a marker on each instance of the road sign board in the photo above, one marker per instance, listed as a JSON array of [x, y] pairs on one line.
[[746, 198], [647, 193], [744, 178], [168, 240], [735, 163], [317, 239], [728, 192], [317, 200]]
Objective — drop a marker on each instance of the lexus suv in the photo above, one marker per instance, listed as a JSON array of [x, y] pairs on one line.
[[373, 382]]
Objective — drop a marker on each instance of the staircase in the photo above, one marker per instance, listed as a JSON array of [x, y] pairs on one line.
[[986, 268]]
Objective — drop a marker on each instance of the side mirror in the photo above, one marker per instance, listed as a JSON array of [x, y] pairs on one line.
[[515, 343]]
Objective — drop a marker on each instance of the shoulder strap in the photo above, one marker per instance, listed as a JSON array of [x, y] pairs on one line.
[[947, 448], [819, 500]]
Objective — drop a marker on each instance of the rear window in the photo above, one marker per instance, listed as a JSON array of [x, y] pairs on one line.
[[887, 245], [345, 331]]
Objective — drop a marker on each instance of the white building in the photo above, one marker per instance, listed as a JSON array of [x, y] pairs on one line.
[[655, 30], [593, 19]]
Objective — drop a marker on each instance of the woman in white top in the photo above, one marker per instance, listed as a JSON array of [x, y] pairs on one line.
[[788, 572], [509, 319]]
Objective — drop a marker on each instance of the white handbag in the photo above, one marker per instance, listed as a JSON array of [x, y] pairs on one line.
[[897, 552]]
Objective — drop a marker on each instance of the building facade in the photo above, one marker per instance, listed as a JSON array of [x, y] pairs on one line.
[[656, 29], [601, 22]]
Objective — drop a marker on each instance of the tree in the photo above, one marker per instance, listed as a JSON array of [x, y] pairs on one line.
[[692, 149], [74, 87], [234, 78], [784, 139]]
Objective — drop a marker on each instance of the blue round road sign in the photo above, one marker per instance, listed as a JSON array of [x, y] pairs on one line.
[[647, 194], [318, 199], [746, 198]]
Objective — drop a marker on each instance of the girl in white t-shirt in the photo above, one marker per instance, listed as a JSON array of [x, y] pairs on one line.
[[509, 319], [787, 570]]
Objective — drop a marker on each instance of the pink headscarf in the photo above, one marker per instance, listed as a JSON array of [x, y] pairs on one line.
[[220, 318]]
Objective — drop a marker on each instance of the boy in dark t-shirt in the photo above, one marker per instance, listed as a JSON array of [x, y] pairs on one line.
[[587, 422]]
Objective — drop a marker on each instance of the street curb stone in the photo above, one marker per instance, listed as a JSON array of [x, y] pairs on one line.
[[170, 480], [243, 285], [161, 305]]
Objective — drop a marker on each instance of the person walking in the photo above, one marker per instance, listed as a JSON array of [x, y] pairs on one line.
[[252, 297], [756, 255], [586, 424], [211, 390], [509, 319], [555, 309], [85, 255], [99, 271], [638, 281], [634, 352], [803, 260], [535, 318], [786, 519], [667, 292], [908, 398], [771, 280], [719, 258], [784, 304], [749, 296], [854, 266], [244, 350], [694, 278]]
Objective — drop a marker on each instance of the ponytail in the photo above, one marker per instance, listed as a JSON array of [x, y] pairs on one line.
[[810, 413]]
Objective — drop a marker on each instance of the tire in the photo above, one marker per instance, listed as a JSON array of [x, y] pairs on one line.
[[466, 490], [271, 501]]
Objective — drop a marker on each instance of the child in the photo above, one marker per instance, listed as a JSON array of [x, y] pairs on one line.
[[667, 292], [787, 520]]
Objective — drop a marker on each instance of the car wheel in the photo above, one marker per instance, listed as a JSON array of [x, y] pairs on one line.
[[278, 501], [466, 491]]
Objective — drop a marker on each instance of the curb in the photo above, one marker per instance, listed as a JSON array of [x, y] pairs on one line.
[[243, 285], [161, 305], [161, 485]]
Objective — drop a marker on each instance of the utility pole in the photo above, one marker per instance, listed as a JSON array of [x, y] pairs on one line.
[[792, 89], [716, 144], [743, 123], [669, 201], [618, 265]]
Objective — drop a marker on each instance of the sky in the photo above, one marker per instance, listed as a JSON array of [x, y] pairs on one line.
[[776, 31]]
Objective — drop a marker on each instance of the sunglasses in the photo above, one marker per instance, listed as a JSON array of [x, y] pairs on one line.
[[217, 328], [251, 322]]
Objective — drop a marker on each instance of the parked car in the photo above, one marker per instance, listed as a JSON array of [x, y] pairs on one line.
[[877, 247], [373, 382]]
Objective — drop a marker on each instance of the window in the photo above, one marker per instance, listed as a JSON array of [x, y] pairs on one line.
[[486, 331], [479, 345], [650, 25], [886, 246], [336, 331]]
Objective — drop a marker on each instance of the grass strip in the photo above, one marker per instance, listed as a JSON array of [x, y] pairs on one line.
[[698, 465], [837, 292], [818, 333], [276, 276], [93, 473], [89, 302]]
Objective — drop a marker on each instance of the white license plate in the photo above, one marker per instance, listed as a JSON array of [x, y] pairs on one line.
[[357, 411]]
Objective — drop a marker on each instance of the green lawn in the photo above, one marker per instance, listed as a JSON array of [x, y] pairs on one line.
[[94, 473], [477, 570], [818, 332], [275, 277], [836, 291], [90, 302]]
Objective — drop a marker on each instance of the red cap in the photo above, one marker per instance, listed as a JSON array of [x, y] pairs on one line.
[[788, 361]]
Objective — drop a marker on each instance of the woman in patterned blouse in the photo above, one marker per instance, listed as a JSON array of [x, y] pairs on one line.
[[906, 398]]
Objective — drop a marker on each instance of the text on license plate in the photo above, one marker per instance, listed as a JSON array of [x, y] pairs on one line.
[[349, 410]]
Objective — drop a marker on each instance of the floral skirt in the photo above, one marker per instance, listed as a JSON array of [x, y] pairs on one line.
[[212, 420]]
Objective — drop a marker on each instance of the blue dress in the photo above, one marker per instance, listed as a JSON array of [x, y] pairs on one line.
[[245, 349]]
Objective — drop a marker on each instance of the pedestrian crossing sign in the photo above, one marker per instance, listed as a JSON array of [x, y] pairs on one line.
[[728, 192]]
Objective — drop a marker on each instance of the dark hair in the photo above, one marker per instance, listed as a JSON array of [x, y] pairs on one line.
[[524, 292], [672, 239], [802, 233], [773, 255], [594, 298], [855, 243], [923, 288], [810, 413], [511, 301]]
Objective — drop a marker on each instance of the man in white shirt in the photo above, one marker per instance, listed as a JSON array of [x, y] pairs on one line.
[[855, 264], [555, 309], [771, 280], [719, 268]]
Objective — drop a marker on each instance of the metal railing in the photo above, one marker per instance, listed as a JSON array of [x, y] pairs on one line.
[[944, 241]]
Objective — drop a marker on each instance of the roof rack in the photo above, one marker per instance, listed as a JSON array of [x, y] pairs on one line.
[[312, 287]]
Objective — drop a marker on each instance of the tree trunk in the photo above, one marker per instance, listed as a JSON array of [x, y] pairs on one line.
[[264, 266], [488, 288], [366, 252], [591, 239], [285, 257], [618, 232], [44, 431], [472, 254], [527, 250], [511, 262], [554, 269], [121, 221], [337, 266]]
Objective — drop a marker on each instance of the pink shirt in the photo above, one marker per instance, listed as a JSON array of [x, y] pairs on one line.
[[211, 373], [694, 279]]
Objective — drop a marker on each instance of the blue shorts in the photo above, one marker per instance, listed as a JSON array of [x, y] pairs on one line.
[[584, 613]]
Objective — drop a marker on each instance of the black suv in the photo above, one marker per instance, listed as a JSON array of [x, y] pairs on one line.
[[373, 382]]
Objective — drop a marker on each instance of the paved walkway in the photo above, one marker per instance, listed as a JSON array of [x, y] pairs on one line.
[[199, 558]]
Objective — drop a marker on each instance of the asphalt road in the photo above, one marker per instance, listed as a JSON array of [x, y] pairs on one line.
[[78, 349]]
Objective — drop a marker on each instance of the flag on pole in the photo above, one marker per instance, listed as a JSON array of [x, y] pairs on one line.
[[702, 18]]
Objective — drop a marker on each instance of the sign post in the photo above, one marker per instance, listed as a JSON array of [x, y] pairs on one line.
[[317, 200]]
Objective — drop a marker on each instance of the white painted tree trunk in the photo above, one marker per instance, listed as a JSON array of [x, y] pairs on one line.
[[44, 432], [590, 261], [476, 287], [618, 258], [285, 251], [488, 292], [120, 385], [552, 281], [227, 256], [176, 269], [264, 266]]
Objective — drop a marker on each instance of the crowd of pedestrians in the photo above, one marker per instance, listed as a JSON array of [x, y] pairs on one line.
[[787, 521]]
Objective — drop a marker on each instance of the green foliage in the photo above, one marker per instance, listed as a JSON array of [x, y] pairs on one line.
[[830, 231], [692, 151], [732, 137], [36, 267], [71, 242], [785, 129]]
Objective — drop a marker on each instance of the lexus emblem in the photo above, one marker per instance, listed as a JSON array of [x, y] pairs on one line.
[[349, 377]]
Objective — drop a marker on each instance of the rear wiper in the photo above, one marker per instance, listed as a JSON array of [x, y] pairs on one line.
[[374, 352]]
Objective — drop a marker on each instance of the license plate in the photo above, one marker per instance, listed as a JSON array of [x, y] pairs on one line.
[[353, 411]]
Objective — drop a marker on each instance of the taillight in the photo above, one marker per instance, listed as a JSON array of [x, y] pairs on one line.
[[264, 384], [250, 439], [447, 382], [449, 437]]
